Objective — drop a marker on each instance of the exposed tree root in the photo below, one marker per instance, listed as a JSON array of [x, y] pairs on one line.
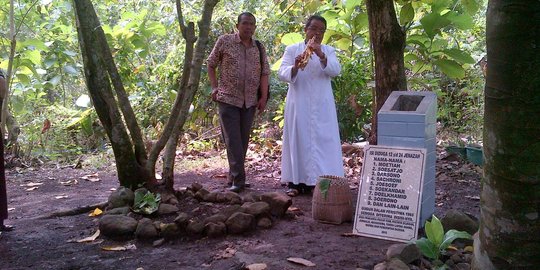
[[75, 211]]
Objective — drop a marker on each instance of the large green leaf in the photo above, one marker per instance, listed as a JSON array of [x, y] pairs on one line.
[[461, 21], [459, 56], [433, 22], [34, 56], [351, 4], [434, 231], [35, 43], [291, 38], [427, 248], [452, 235], [471, 6], [406, 15], [451, 68], [277, 64], [343, 43], [439, 6], [23, 78], [70, 70]]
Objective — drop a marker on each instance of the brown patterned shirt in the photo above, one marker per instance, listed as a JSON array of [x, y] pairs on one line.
[[239, 70]]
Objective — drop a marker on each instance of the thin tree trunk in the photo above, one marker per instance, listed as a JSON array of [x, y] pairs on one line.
[[388, 41], [191, 88], [509, 235], [130, 172]]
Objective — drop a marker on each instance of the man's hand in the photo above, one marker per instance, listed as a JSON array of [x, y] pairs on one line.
[[214, 94], [261, 105]]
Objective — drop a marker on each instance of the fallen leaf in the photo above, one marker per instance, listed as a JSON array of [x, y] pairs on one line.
[[219, 176], [62, 196], [112, 189], [32, 188], [469, 249], [90, 238], [257, 266], [96, 212], [452, 248], [120, 248], [91, 177], [10, 209], [69, 182], [31, 184], [300, 261], [476, 198], [227, 253]]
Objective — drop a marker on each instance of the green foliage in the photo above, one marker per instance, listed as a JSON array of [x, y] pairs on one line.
[[146, 203], [437, 241]]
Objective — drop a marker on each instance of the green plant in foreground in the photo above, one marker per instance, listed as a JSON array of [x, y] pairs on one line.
[[146, 203], [437, 241]]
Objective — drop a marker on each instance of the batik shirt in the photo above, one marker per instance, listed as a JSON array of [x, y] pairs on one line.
[[239, 70]]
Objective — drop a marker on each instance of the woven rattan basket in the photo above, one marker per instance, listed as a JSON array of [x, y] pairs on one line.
[[332, 200]]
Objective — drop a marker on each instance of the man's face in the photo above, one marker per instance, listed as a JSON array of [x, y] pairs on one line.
[[315, 29], [246, 26]]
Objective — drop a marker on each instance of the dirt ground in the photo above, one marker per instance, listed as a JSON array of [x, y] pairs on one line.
[[50, 243]]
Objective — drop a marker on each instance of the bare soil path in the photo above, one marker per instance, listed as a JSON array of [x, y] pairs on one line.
[[50, 243]]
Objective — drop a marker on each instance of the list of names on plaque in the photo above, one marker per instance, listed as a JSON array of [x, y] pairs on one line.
[[390, 193]]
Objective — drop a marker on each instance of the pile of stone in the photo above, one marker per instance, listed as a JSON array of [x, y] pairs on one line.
[[229, 214]]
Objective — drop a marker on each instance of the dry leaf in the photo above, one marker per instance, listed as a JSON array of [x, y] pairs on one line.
[[227, 253], [476, 198], [96, 212], [10, 209], [301, 261], [31, 184], [91, 177], [69, 182], [219, 176], [257, 266], [469, 249], [62, 196], [90, 238], [120, 248], [32, 188]]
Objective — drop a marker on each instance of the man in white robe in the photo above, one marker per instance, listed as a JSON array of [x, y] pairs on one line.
[[311, 142]]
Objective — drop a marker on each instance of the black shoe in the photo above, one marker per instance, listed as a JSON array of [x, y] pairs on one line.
[[245, 185], [236, 189], [6, 228]]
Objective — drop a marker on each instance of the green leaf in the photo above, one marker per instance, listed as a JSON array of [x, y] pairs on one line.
[[70, 70], [23, 78], [277, 64], [427, 248], [351, 4], [461, 21], [439, 5], [34, 56], [432, 23], [324, 185], [343, 44], [459, 56], [471, 6], [451, 68], [406, 14], [291, 38], [434, 231], [452, 235]]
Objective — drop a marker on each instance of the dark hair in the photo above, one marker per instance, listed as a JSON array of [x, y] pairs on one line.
[[315, 17], [247, 14]]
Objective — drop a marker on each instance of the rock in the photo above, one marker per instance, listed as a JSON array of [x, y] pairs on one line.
[[196, 187], [231, 198], [279, 202], [239, 223], [117, 225], [462, 266], [195, 227], [250, 197], [228, 211], [169, 198], [215, 229], [121, 197], [182, 220], [380, 266], [264, 222], [396, 264], [211, 197], [456, 258], [257, 266], [459, 221], [217, 218], [199, 195], [167, 209], [405, 252], [256, 208], [169, 230], [158, 242], [118, 211], [146, 229], [141, 190]]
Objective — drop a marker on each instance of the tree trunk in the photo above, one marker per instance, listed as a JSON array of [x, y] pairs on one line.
[[131, 173], [189, 84], [388, 43], [509, 235]]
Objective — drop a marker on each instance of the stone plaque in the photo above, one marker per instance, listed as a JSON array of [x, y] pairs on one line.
[[390, 194]]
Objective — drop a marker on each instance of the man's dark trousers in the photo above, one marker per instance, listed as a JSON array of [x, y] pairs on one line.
[[236, 127]]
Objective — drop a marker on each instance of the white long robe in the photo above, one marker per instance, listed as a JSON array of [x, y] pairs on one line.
[[311, 142]]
